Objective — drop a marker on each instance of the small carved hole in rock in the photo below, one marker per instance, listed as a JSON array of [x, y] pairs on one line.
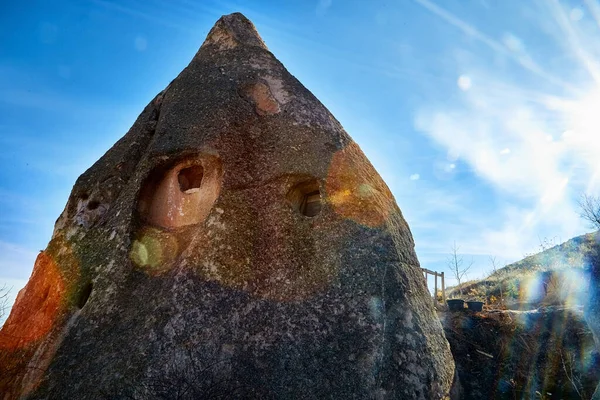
[[311, 204], [306, 198], [84, 196], [85, 295], [181, 192], [190, 178], [92, 205]]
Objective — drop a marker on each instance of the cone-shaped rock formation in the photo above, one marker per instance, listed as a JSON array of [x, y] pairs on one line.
[[234, 242]]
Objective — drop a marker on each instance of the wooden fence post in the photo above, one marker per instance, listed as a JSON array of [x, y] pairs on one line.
[[443, 289], [435, 291], [435, 275]]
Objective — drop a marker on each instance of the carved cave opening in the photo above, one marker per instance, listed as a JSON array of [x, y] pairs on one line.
[[85, 295], [311, 204], [190, 178], [180, 193], [306, 198]]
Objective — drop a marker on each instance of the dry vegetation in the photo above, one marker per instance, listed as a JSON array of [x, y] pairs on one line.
[[505, 354], [546, 352], [551, 274]]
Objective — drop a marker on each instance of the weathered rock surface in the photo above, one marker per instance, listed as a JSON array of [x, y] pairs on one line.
[[234, 242], [592, 309], [546, 353]]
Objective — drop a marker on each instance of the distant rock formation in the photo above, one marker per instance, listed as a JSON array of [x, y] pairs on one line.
[[234, 242]]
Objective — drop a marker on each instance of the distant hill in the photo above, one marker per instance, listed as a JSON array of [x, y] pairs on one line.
[[570, 254], [555, 271]]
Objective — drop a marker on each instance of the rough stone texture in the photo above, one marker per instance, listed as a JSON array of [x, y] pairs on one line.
[[592, 308], [507, 355], [153, 287]]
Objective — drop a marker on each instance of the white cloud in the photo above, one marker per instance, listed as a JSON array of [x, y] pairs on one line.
[[576, 14], [522, 131], [512, 42], [490, 119], [464, 82], [415, 177]]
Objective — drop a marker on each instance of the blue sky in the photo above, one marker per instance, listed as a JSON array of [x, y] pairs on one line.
[[480, 115]]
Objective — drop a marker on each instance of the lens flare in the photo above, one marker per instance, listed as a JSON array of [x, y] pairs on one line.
[[154, 250], [37, 305], [356, 191]]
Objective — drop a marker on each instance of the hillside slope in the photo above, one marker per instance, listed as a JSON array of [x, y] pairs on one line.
[[570, 254], [555, 275]]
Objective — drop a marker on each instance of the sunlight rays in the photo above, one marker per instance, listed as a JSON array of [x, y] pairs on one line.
[[574, 42], [521, 57], [525, 137]]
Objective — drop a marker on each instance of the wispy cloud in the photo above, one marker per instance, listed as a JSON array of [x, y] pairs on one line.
[[24, 87], [139, 13], [535, 147], [521, 57]]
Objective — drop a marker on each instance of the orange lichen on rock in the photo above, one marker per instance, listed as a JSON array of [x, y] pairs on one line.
[[260, 94], [355, 189], [36, 307]]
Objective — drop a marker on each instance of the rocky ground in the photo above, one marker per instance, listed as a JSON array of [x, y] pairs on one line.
[[547, 353]]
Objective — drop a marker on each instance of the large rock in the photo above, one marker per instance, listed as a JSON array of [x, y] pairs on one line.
[[234, 242]]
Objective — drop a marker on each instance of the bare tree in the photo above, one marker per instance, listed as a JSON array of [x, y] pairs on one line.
[[4, 292], [589, 210], [457, 266]]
